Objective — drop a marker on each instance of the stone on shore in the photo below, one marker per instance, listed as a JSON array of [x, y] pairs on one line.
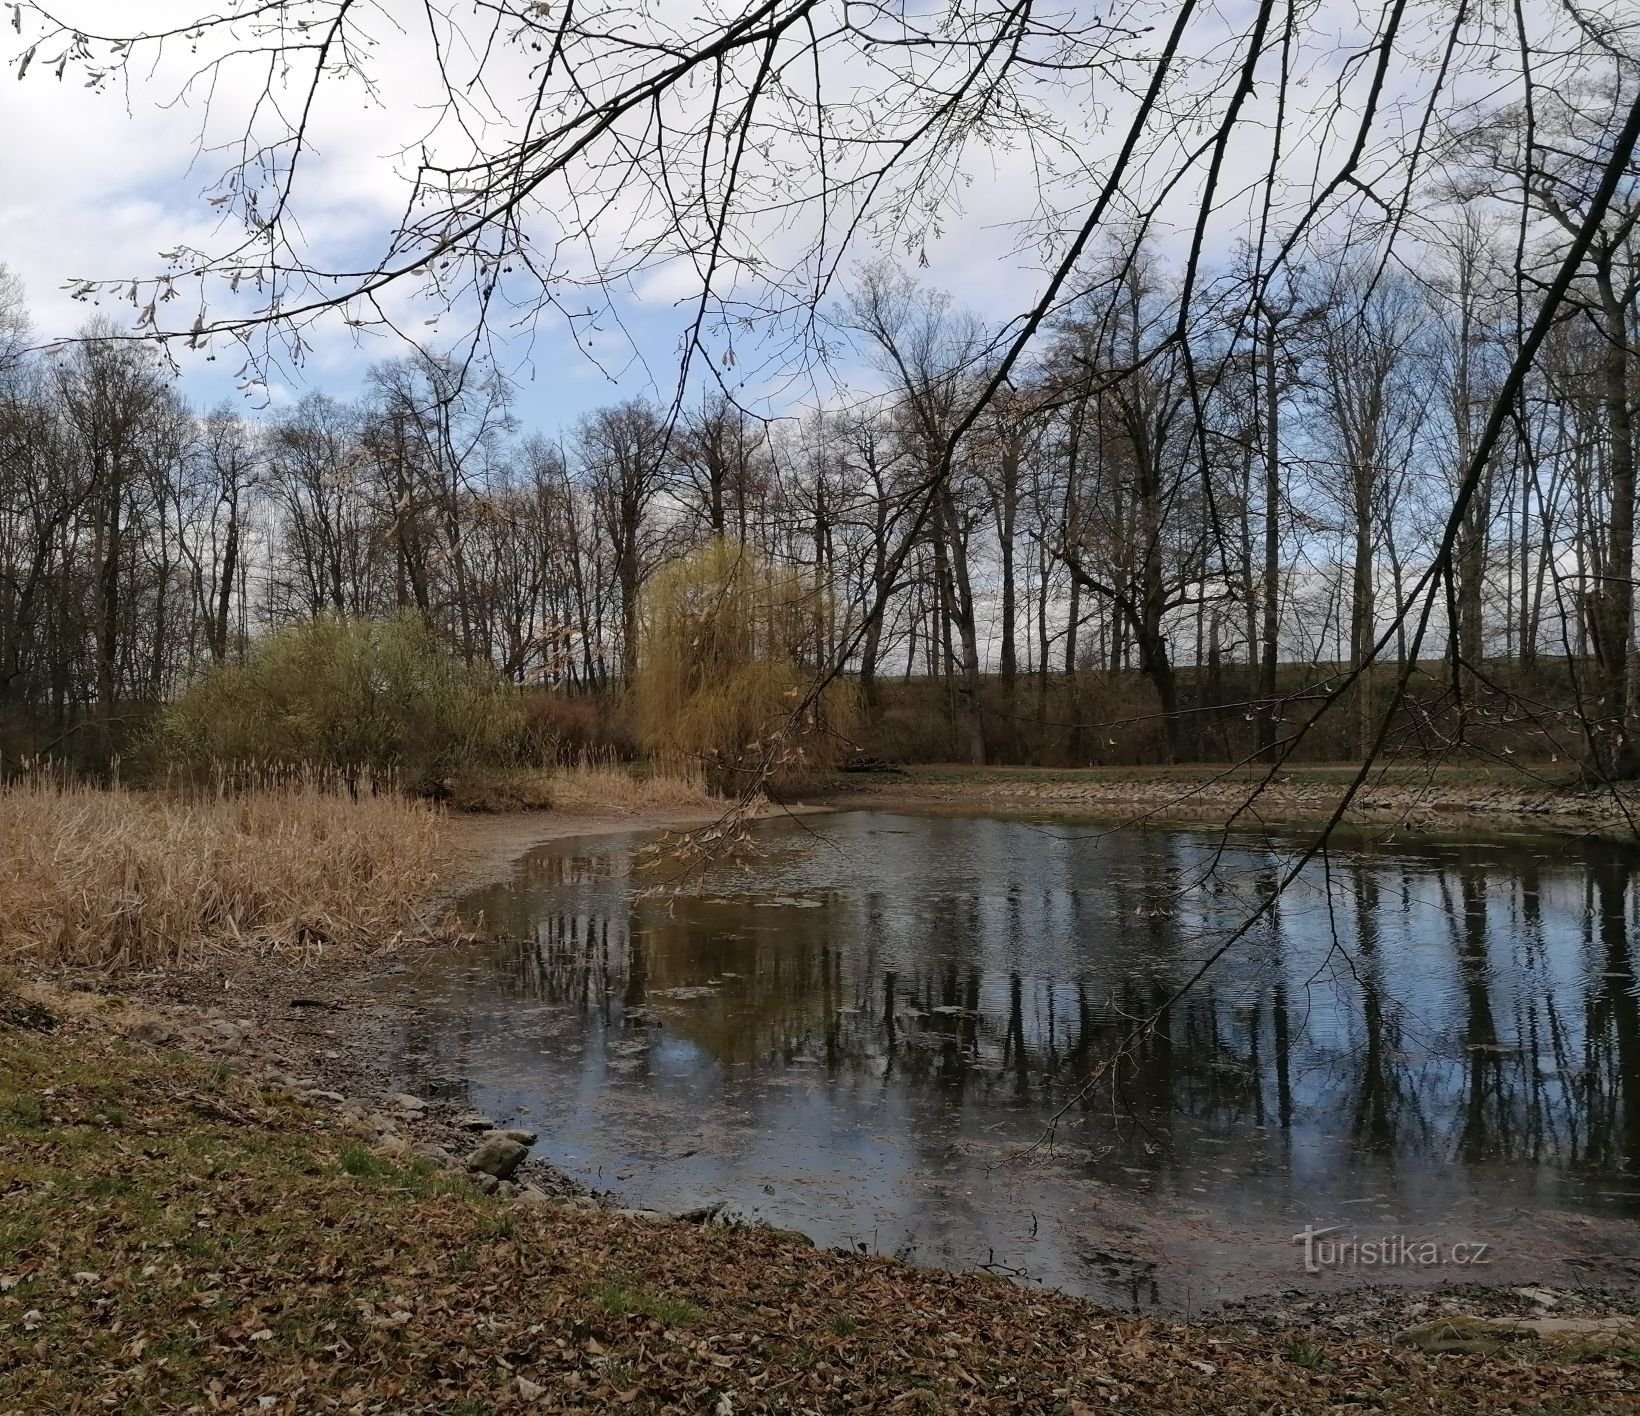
[[498, 1154], [1465, 1333]]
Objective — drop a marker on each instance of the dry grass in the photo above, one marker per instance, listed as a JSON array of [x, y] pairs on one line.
[[593, 787], [114, 879], [590, 785]]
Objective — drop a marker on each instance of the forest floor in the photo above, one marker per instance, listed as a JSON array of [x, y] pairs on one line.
[[178, 1234], [1402, 794]]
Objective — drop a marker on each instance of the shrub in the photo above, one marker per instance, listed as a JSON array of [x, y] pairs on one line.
[[564, 728], [725, 657], [356, 696]]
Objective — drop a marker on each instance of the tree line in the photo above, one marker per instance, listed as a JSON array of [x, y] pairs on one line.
[[1219, 485]]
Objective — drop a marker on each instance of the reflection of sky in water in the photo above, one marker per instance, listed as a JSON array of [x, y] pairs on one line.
[[853, 1035]]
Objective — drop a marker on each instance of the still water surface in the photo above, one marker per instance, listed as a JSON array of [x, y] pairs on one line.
[[855, 1032]]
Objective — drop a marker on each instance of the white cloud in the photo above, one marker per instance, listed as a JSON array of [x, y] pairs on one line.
[[97, 186]]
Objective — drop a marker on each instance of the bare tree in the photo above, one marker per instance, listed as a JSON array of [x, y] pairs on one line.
[[623, 457]]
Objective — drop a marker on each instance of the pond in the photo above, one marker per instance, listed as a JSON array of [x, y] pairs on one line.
[[867, 1029]]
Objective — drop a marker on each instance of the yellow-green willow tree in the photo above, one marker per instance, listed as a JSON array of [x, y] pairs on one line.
[[729, 643]]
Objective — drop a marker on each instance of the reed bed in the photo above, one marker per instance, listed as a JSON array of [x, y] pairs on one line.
[[110, 878], [594, 786]]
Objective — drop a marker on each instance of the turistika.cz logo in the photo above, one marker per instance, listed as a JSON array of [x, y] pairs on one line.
[[1330, 1248]]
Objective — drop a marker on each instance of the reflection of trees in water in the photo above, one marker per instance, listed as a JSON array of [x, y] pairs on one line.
[[1444, 979], [1612, 1032], [1385, 1095]]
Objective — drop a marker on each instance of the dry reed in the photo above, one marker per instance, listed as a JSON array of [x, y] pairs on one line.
[[117, 879], [593, 786], [597, 782]]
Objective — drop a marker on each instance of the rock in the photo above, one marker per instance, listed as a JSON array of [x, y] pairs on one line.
[[224, 1036], [487, 1184], [151, 1031], [498, 1155], [405, 1102], [1466, 1333], [523, 1136], [794, 1236]]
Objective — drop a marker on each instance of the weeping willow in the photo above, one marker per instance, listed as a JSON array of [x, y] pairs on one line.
[[728, 643]]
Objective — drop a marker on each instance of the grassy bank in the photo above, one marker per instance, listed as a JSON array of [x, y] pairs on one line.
[[588, 785], [173, 1239]]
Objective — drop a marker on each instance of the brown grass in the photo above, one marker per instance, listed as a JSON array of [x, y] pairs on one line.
[[114, 879], [590, 785]]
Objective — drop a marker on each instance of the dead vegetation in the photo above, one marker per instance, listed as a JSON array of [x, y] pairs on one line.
[[588, 785], [114, 878]]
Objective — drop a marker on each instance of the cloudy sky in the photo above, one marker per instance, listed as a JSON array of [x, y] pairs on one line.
[[104, 179], [99, 181]]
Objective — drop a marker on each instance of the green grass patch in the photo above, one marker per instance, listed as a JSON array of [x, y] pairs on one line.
[[623, 1298], [23, 1109]]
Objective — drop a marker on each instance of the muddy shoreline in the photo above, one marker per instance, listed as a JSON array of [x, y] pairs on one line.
[[484, 848], [1236, 798], [330, 1024]]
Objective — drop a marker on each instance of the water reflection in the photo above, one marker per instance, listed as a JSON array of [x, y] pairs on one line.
[[852, 1036]]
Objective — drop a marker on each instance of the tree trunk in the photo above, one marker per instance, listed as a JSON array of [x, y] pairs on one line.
[[1612, 747], [1271, 594], [1007, 512]]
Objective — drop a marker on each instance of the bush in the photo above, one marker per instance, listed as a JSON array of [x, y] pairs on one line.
[[354, 696], [563, 729], [725, 657]]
